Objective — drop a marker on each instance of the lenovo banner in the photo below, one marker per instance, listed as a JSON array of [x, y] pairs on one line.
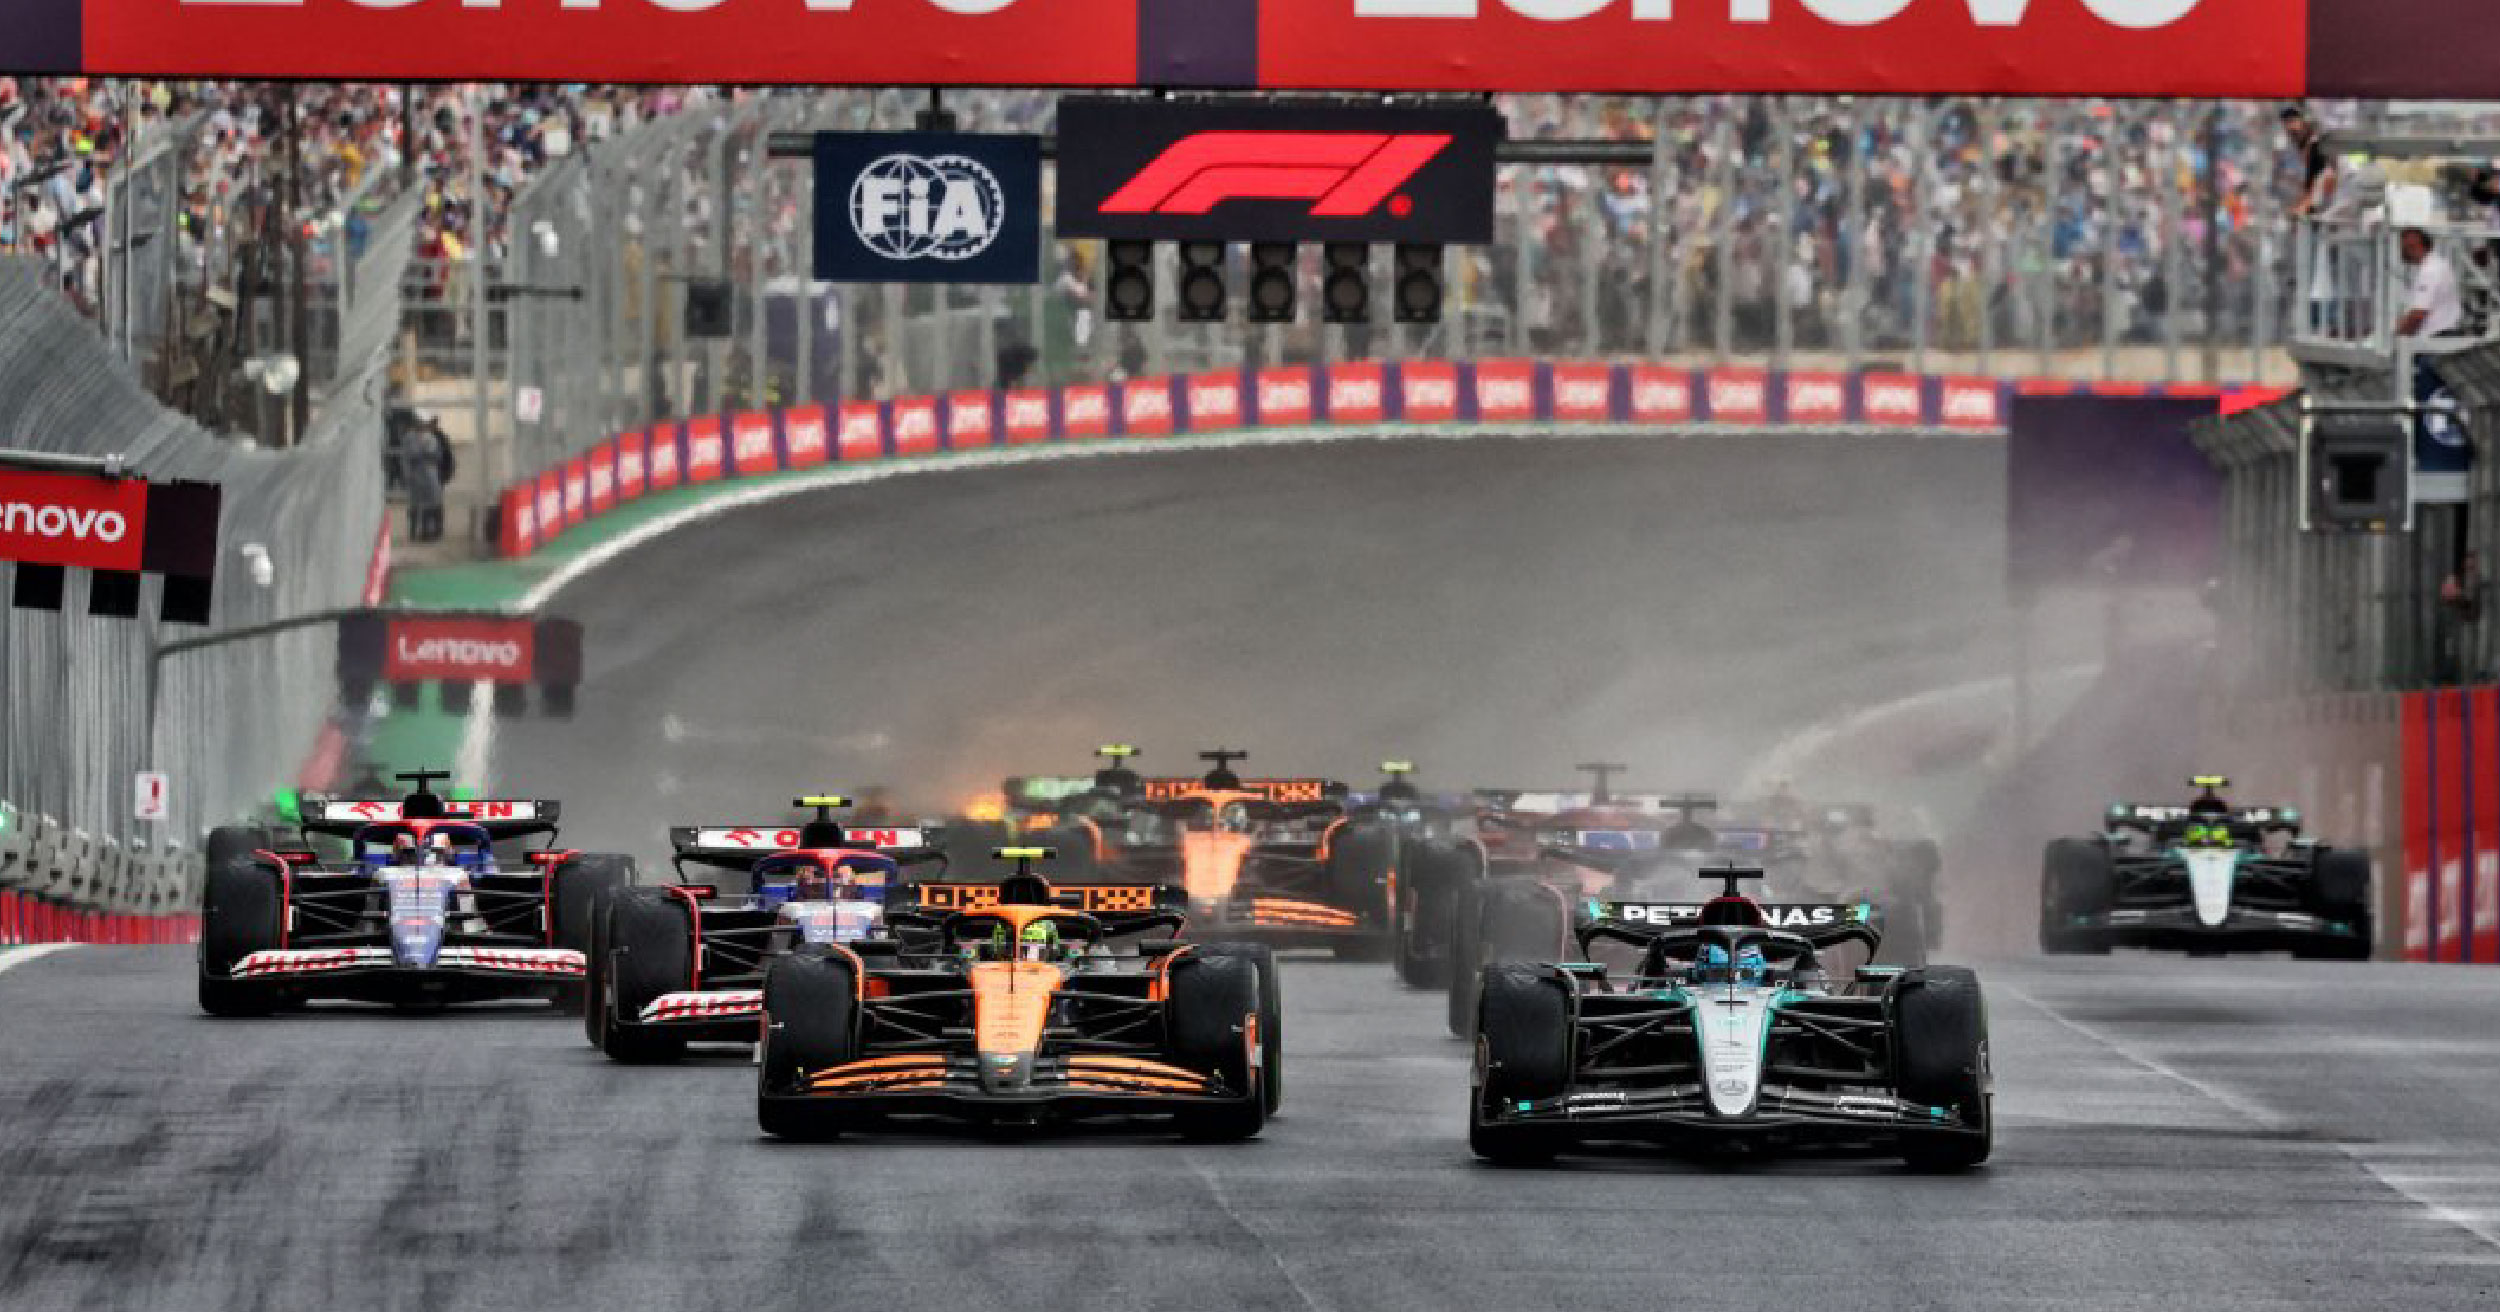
[[1241, 171], [466, 648], [72, 519], [928, 207]]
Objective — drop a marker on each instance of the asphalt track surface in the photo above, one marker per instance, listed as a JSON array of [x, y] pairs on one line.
[[2212, 1134], [2209, 1134]]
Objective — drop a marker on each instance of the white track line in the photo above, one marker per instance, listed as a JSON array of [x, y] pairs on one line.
[[18, 955]]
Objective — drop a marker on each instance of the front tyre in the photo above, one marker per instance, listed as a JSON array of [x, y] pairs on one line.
[[811, 1023], [1523, 1054], [1213, 1000], [1271, 1016], [578, 890], [1940, 1054], [650, 951], [242, 911]]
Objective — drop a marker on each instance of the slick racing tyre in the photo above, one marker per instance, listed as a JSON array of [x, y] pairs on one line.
[[595, 972], [242, 912], [650, 952], [1211, 999], [1940, 1054], [1466, 957], [1271, 1015], [233, 843], [1517, 920], [2077, 878], [1360, 859], [579, 887], [1523, 1053], [811, 1023], [2339, 891]]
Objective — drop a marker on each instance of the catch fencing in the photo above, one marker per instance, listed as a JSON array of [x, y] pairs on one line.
[[80, 712]]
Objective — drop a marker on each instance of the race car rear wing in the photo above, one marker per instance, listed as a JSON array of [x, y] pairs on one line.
[[1122, 908], [739, 847], [1823, 924], [1280, 791], [502, 818]]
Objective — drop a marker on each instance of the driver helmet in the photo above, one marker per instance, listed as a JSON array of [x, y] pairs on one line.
[[1038, 942], [2206, 835], [1713, 965]]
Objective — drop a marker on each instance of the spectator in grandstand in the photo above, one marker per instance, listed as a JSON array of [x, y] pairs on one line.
[[2433, 305]]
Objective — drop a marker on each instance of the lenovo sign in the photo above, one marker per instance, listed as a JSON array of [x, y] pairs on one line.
[[1243, 171], [72, 519], [464, 649]]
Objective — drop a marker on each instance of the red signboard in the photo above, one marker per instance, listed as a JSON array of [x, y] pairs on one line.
[[1892, 400], [550, 504], [1583, 393], [666, 448], [915, 426], [2024, 47], [1284, 396], [706, 453], [1214, 401], [1817, 398], [1027, 419], [630, 477], [1661, 395], [603, 478], [1146, 407], [1085, 410], [520, 520], [967, 420], [1971, 403], [1357, 394], [460, 648], [803, 432], [930, 42], [576, 491], [72, 519], [1429, 391], [863, 433], [1505, 391], [1738, 396], [751, 444]]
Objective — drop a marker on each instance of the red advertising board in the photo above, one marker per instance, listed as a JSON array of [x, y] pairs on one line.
[[1583, 393], [1738, 396], [603, 478], [1214, 401], [1971, 403], [1428, 392], [1661, 395], [666, 457], [630, 475], [915, 426], [1505, 391], [2482, 874], [803, 432], [2451, 840], [1357, 393], [967, 421], [550, 503], [1146, 407], [460, 648], [1027, 417], [1816, 398], [519, 521], [1892, 400], [576, 491], [707, 453], [863, 432], [2026, 47], [1085, 410], [1284, 396], [72, 519], [2419, 846], [751, 443], [931, 42]]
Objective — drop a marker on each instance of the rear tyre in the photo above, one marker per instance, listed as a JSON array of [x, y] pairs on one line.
[[229, 843], [580, 886], [650, 952], [1940, 1054], [241, 912], [1271, 1016], [1466, 958], [1211, 999], [2077, 878], [811, 1023], [1523, 1053], [595, 974], [1430, 874]]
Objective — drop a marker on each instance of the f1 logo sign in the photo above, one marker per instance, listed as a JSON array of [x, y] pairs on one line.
[[1342, 174], [1241, 171]]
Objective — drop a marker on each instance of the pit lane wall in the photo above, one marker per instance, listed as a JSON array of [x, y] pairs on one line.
[[1434, 393]]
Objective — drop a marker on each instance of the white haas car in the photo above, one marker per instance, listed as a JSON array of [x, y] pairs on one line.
[[684, 963], [431, 901]]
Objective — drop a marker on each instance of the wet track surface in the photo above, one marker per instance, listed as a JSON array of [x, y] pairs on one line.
[[2209, 1134]]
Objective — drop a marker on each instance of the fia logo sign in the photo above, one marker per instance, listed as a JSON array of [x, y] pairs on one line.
[[905, 207]]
